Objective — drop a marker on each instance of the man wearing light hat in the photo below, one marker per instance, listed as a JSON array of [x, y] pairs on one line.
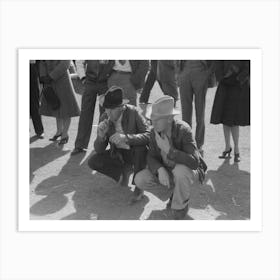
[[126, 130], [174, 163]]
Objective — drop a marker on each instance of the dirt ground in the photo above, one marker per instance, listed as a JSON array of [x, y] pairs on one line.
[[64, 187]]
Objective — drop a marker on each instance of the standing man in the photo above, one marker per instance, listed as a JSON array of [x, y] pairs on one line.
[[174, 163], [126, 131], [94, 74], [130, 76], [34, 99], [194, 77], [162, 71]]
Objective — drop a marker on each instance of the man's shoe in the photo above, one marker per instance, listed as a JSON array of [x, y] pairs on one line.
[[40, 135], [180, 214], [77, 151], [137, 195], [168, 205]]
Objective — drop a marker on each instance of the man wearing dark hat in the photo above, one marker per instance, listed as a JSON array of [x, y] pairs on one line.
[[174, 163], [125, 129]]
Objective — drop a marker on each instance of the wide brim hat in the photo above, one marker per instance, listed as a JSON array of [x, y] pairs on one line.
[[113, 98], [161, 108]]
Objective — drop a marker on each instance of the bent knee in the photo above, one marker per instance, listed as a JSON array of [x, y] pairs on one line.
[[181, 171], [95, 162], [142, 178]]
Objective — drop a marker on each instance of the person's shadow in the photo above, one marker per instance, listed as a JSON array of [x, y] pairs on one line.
[[42, 156], [225, 195], [89, 195]]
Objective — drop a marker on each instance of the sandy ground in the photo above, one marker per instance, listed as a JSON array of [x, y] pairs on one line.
[[63, 187]]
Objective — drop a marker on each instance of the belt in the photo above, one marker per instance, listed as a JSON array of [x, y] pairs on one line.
[[122, 72]]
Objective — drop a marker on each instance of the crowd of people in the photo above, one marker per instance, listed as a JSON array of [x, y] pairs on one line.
[[144, 139]]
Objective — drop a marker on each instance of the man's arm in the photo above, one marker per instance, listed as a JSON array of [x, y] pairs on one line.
[[60, 69], [142, 136], [189, 155]]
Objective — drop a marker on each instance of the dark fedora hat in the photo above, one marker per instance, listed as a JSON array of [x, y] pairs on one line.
[[114, 98]]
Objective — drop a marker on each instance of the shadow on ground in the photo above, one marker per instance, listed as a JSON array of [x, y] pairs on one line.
[[91, 194]]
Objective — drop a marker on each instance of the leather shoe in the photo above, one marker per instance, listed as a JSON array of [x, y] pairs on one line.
[[77, 151]]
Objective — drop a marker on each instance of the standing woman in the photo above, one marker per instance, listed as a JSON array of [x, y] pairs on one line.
[[55, 73], [232, 101]]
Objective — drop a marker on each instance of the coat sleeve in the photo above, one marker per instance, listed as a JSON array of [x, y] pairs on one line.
[[100, 144], [42, 68], [141, 138], [154, 160], [189, 155], [60, 69]]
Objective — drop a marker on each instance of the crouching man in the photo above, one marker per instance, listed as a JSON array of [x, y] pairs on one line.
[[173, 160], [127, 133]]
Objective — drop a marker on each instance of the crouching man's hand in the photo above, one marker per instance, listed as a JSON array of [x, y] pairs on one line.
[[163, 177], [103, 128], [118, 138]]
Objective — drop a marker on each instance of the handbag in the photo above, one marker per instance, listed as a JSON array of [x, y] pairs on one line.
[[51, 97]]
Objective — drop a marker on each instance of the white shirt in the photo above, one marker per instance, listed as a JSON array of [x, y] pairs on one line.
[[119, 67]]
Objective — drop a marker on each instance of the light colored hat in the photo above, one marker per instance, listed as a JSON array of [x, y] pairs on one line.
[[161, 108]]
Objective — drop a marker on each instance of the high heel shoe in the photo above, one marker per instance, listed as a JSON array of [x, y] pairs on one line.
[[237, 157], [55, 137], [63, 140], [226, 154]]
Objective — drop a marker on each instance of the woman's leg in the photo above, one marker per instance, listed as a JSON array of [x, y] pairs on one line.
[[235, 137], [59, 126], [227, 130], [66, 124]]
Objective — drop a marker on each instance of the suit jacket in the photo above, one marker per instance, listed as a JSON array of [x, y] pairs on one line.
[[139, 70], [93, 70], [134, 127], [183, 151]]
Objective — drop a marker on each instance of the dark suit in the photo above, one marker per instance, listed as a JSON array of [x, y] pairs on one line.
[[194, 81], [113, 162], [95, 84]]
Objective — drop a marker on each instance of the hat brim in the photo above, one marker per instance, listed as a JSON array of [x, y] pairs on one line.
[[151, 116], [112, 106]]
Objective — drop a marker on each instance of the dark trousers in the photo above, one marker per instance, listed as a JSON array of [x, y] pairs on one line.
[[194, 84], [113, 167], [87, 112], [150, 81], [34, 100]]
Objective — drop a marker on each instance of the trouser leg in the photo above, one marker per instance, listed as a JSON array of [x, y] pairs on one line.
[[147, 181], [170, 88], [150, 81], [200, 88], [86, 117], [184, 177], [105, 164], [186, 96], [34, 101]]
